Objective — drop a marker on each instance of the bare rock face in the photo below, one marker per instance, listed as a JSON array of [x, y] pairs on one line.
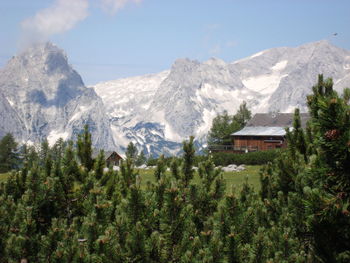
[[9, 120], [48, 99]]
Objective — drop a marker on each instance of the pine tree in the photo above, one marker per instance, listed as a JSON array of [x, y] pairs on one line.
[[312, 180], [243, 115], [131, 151], [174, 167], [44, 151], [85, 149], [224, 125], [328, 196], [99, 165], [141, 159], [8, 153], [160, 168], [188, 161], [70, 168]]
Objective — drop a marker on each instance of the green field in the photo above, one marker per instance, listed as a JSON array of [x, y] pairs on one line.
[[235, 179], [3, 177]]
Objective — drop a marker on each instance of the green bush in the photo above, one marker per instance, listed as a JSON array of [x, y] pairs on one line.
[[251, 158]]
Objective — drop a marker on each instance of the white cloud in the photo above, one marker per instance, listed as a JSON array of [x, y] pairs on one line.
[[113, 6], [62, 16], [231, 43], [215, 50]]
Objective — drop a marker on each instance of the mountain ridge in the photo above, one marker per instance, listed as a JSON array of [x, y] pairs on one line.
[[191, 93], [42, 96]]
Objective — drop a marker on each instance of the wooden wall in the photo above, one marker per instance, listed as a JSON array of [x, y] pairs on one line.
[[259, 143], [113, 159]]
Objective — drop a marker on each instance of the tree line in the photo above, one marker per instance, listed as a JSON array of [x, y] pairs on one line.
[[61, 206]]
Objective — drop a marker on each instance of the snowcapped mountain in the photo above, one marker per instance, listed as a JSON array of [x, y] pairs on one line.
[[41, 96], [159, 111], [284, 76]]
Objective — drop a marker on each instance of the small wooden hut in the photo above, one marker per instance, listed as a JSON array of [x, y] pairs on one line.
[[112, 158], [265, 131]]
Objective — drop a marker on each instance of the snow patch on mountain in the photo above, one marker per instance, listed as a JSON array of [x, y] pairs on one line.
[[264, 84], [208, 117], [129, 96], [53, 136], [257, 54], [280, 65]]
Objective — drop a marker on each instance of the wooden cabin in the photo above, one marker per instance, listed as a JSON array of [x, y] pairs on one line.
[[265, 131], [112, 158]]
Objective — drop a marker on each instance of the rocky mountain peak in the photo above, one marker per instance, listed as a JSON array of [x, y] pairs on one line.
[[216, 62], [41, 74], [44, 56], [48, 98], [320, 44], [184, 66]]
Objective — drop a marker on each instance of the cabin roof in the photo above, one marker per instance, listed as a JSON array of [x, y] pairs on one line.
[[96, 152], [261, 131], [276, 120]]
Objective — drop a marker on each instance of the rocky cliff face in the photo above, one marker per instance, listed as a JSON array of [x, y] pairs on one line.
[[9, 120], [48, 99]]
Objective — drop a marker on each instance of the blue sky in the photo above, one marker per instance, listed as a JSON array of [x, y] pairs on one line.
[[146, 36]]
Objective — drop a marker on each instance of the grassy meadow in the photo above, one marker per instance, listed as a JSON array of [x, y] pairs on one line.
[[232, 179], [3, 177]]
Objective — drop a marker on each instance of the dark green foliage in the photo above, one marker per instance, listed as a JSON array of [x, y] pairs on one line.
[[160, 168], [224, 125], [131, 151], [151, 161], [141, 159], [312, 178], [187, 165], [84, 148], [243, 115], [296, 138], [99, 165], [328, 196], [8, 153]]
